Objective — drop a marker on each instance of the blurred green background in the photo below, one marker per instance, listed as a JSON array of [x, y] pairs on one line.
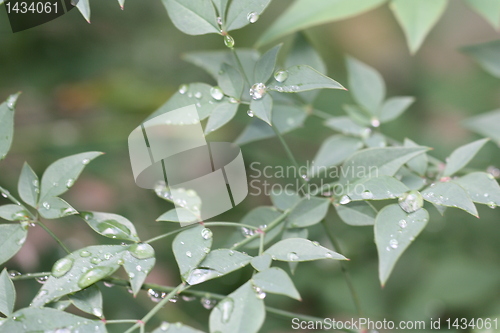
[[87, 86]]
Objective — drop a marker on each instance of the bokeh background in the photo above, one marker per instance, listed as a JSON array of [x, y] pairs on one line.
[[87, 86]]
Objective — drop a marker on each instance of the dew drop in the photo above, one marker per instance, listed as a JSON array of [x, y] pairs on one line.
[[208, 303], [292, 256], [61, 267], [186, 298], [70, 183], [345, 200], [403, 224], [189, 254], [206, 233], [229, 41], [95, 260], [142, 251], [226, 307], [257, 91], [14, 273], [329, 255], [252, 17], [11, 101], [393, 243], [93, 275], [367, 195], [198, 95], [46, 205], [183, 89], [281, 76], [85, 161], [42, 279], [216, 93], [164, 326], [411, 201], [259, 293], [219, 20], [375, 122], [233, 100], [250, 113], [492, 205], [247, 232]]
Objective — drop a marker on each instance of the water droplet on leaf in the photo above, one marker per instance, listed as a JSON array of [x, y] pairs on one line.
[[142, 251], [411, 201], [257, 91], [61, 267], [93, 275], [229, 41], [252, 17], [281, 76]]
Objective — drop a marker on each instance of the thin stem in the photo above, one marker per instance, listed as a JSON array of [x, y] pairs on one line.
[[6, 194], [343, 268], [121, 321], [270, 227], [261, 243], [289, 153], [321, 114], [157, 307], [44, 227], [154, 239]]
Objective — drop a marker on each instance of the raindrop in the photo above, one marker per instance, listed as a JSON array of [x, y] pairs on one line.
[[229, 41], [252, 17], [61, 267], [189, 254], [183, 89], [492, 205], [208, 303], [142, 251], [216, 93], [107, 256], [367, 195], [85, 161], [174, 299], [206, 233], [164, 326], [11, 101], [315, 243], [93, 275], [226, 307], [292, 256], [108, 284], [281, 76], [4, 195], [250, 113], [200, 275], [247, 232], [345, 200], [198, 95], [393, 243], [403, 224], [95, 260], [411, 201], [257, 91], [120, 261], [155, 296], [233, 100], [219, 20], [42, 279], [13, 273], [259, 292], [186, 298], [138, 268], [46, 205], [375, 122], [70, 183]]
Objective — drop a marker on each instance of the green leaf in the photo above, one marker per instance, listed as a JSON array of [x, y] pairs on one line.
[[450, 195], [122, 3], [366, 85], [284, 199], [393, 107], [218, 263], [418, 164], [175, 327], [194, 17], [239, 10], [7, 294], [347, 126], [462, 156], [264, 68], [294, 233], [54, 208], [375, 140], [286, 118], [230, 81], [359, 115], [417, 17], [485, 124], [84, 8], [357, 213], [377, 188], [333, 151], [111, 225], [262, 108], [394, 232], [204, 105], [28, 186], [303, 53], [63, 173], [13, 212], [190, 248], [481, 187], [262, 262], [50, 320], [304, 78], [221, 6], [487, 55], [411, 179], [178, 215], [376, 162], [300, 249], [301, 15], [12, 238], [7, 110], [489, 9], [91, 264], [309, 211], [276, 281], [88, 300]]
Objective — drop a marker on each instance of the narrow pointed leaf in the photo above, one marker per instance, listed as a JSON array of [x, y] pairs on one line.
[[299, 249], [84, 8], [450, 195], [194, 17], [485, 124], [393, 107], [220, 116], [239, 10], [357, 213], [304, 78], [333, 151], [262, 108], [489, 9], [178, 215], [347, 126], [7, 110], [487, 55], [276, 281], [481, 187], [7, 294], [266, 64], [111, 225], [12, 238], [395, 230], [29, 186], [308, 211], [366, 85], [462, 156], [190, 248]]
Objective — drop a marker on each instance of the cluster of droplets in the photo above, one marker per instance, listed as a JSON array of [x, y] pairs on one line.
[[247, 232], [259, 293]]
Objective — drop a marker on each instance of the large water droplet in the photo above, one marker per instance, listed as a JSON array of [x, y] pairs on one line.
[[257, 91], [403, 224], [42, 279], [281, 76], [492, 205], [292, 256], [142, 251], [216, 93], [13, 273], [345, 200], [250, 113], [367, 195], [11, 101], [70, 182], [229, 41], [411, 201], [252, 17], [206, 233], [61, 267], [155, 296], [375, 122], [95, 260], [164, 326], [84, 253], [200, 275], [226, 308], [93, 275], [393, 243], [46, 205]]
